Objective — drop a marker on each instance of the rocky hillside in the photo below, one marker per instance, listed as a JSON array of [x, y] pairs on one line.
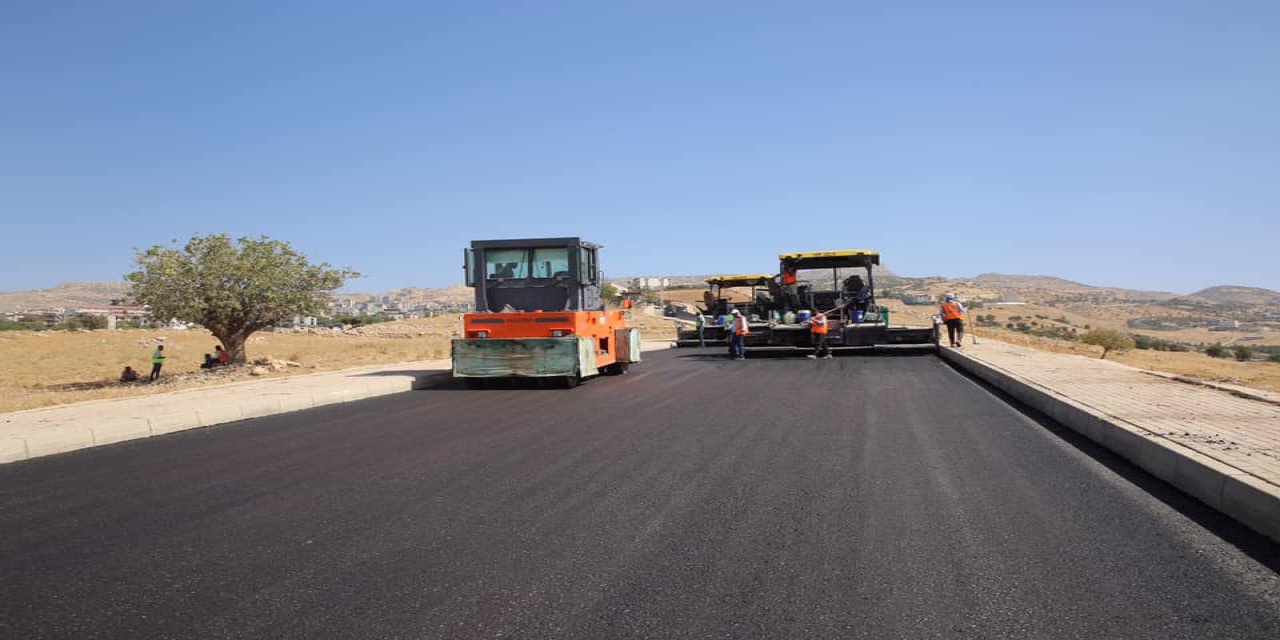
[[1049, 287], [67, 295], [1229, 294]]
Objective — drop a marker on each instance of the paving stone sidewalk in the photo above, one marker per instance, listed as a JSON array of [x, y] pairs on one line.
[[1225, 424]]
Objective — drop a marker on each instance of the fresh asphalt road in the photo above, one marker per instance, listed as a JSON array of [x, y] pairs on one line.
[[695, 497]]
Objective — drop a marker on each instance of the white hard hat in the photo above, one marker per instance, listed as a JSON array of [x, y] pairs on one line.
[[736, 312]]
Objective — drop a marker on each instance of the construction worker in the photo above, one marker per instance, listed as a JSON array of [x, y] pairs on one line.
[[701, 321], [738, 342], [157, 361], [725, 322], [952, 313], [789, 275], [818, 331]]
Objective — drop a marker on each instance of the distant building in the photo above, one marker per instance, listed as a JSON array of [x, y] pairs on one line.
[[53, 317], [651, 283], [299, 322]]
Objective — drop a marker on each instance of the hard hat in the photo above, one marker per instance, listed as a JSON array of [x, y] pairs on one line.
[[951, 296], [736, 312]]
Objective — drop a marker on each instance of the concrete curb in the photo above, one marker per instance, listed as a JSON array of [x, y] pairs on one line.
[[113, 429], [1241, 496]]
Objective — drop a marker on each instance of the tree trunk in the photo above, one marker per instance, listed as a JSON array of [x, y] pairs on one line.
[[233, 344], [1104, 354]]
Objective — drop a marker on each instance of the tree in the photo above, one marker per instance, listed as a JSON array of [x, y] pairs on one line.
[[1216, 350], [93, 322], [232, 287], [1109, 339], [1243, 352], [608, 292], [70, 324]]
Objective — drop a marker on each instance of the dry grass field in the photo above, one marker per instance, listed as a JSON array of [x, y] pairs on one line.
[[40, 369]]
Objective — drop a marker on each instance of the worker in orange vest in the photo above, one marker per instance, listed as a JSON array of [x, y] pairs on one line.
[[818, 331], [789, 275], [738, 343], [953, 316]]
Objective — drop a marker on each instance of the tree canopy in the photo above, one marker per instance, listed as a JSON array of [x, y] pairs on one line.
[[1109, 339], [232, 287]]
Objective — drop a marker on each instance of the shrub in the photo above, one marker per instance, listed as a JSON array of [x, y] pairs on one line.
[[1216, 350], [1275, 357], [1109, 339], [1243, 352], [1157, 344], [93, 322], [9, 325]]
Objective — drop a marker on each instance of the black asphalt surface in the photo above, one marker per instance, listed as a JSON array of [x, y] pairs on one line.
[[695, 497]]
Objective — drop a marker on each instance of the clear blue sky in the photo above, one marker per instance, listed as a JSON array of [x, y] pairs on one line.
[[1132, 144]]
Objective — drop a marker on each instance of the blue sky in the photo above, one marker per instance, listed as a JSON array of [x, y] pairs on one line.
[[1131, 144]]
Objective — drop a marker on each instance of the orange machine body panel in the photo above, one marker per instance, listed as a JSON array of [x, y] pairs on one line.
[[599, 325]]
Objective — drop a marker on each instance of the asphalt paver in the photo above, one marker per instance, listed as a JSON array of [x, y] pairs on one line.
[[694, 497]]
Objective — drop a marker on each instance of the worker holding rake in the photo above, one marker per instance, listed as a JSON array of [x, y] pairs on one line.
[[953, 316]]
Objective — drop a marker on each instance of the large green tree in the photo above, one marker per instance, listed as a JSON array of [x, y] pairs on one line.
[[233, 288]]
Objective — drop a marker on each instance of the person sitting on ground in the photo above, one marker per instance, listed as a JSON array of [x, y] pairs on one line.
[[128, 375], [209, 361], [221, 354]]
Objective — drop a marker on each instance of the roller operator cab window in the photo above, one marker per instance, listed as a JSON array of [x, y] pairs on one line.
[[588, 266], [549, 263], [506, 263]]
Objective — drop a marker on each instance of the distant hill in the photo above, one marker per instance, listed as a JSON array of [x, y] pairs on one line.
[[1050, 288], [1030, 282], [1060, 285], [67, 295], [1230, 294], [988, 285]]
